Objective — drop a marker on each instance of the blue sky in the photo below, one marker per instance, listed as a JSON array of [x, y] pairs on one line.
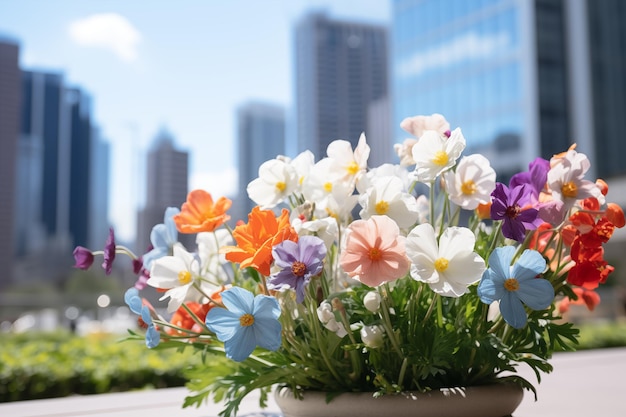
[[182, 65]]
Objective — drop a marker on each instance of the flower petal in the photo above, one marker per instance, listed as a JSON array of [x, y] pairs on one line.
[[512, 310]]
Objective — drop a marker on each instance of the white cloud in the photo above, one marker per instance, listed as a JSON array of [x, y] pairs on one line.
[[217, 183], [109, 31], [468, 46]]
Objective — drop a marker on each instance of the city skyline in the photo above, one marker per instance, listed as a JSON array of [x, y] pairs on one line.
[[190, 78]]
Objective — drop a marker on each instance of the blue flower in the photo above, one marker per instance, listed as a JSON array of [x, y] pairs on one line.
[[162, 237], [134, 302], [298, 262], [247, 322], [517, 284]]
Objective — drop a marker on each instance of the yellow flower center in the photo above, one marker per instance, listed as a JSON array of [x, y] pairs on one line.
[[468, 187], [569, 189], [441, 264], [184, 277], [440, 158], [375, 254], [246, 320], [328, 187], [301, 180], [280, 186], [382, 207], [511, 284], [298, 268], [353, 168]]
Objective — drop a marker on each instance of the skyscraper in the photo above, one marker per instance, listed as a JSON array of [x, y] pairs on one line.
[[62, 180], [46, 118], [340, 70], [260, 137], [522, 78], [9, 133], [167, 185]]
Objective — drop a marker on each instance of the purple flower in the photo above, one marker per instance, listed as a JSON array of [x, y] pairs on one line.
[[510, 206], [83, 258], [536, 177], [109, 252], [298, 262]]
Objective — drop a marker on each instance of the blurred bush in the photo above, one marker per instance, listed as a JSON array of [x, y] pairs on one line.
[[47, 365]]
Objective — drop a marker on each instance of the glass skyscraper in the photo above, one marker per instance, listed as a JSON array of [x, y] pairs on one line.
[[341, 74], [260, 137]]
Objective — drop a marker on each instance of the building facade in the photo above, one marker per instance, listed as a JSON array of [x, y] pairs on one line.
[[167, 172], [9, 134], [260, 137], [340, 70]]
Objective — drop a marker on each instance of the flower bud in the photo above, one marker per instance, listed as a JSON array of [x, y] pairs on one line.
[[372, 336], [371, 301], [83, 257]]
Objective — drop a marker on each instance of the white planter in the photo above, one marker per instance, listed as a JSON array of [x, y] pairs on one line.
[[496, 400]]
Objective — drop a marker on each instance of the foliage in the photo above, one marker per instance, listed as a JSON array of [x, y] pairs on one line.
[[47, 365]]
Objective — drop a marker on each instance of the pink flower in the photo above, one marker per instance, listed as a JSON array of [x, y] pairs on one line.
[[374, 251]]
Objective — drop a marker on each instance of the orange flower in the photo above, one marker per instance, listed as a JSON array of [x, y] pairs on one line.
[[200, 214], [483, 211], [615, 215], [604, 187], [589, 298], [256, 239]]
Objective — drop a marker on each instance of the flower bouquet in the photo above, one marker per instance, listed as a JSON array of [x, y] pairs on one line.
[[404, 277]]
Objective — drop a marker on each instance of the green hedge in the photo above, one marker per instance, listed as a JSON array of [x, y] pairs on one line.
[[36, 366], [48, 365]]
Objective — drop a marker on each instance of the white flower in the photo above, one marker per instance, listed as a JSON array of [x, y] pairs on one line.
[[385, 170], [176, 274], [347, 164], [373, 336], [371, 301], [565, 179], [434, 154], [303, 164], [277, 180], [448, 267], [211, 261], [386, 197], [471, 183], [326, 229]]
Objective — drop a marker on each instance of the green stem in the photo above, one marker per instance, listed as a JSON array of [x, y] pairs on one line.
[[384, 309]]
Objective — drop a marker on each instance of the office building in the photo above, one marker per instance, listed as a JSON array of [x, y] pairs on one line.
[[260, 137], [167, 185], [46, 117], [9, 133], [521, 78], [340, 70]]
